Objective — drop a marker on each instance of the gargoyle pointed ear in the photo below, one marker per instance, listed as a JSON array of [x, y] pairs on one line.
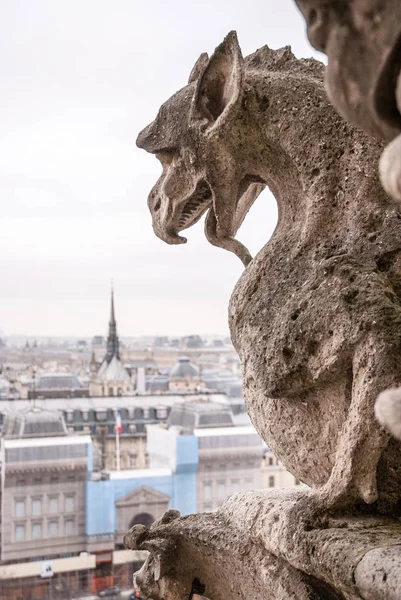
[[198, 67], [220, 86]]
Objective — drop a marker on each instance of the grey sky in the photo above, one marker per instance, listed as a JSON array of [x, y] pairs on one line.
[[78, 80]]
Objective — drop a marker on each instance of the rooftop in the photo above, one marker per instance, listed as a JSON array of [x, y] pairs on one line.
[[194, 415], [184, 368], [34, 423], [57, 381]]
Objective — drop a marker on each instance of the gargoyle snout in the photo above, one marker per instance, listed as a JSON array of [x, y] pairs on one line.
[[144, 138], [162, 221]]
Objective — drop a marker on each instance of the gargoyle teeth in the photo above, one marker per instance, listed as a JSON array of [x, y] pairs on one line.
[[199, 199]]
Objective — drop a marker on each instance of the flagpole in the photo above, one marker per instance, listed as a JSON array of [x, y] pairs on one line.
[[118, 423], [117, 450]]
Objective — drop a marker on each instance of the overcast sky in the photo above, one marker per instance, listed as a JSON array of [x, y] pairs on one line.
[[79, 80]]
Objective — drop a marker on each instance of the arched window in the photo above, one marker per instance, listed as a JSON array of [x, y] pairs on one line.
[[271, 481], [142, 519]]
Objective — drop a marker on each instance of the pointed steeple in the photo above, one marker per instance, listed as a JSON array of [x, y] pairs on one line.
[[113, 344]]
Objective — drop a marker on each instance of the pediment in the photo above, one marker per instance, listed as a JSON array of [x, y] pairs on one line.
[[142, 495]]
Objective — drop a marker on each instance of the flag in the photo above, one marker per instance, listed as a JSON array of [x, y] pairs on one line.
[[119, 426]]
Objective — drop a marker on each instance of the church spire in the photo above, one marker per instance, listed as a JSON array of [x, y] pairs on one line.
[[113, 344]]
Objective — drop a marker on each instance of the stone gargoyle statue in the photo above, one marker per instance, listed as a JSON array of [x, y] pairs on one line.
[[316, 315], [362, 39]]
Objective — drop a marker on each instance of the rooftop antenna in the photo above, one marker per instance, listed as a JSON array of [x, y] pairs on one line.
[[34, 388]]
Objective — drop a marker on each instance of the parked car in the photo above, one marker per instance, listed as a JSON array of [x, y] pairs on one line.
[[110, 592], [134, 596]]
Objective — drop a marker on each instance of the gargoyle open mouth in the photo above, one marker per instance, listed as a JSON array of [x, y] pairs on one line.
[[195, 206], [385, 92]]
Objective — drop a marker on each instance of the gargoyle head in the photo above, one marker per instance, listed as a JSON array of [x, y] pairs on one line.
[[162, 575], [362, 39], [193, 136]]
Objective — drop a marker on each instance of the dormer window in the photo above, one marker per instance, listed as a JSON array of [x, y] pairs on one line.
[[161, 412], [101, 415]]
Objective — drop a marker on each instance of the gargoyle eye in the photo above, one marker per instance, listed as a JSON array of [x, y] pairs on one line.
[[165, 156]]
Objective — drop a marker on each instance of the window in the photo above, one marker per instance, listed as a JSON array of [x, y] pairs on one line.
[[248, 483], [36, 531], [53, 505], [207, 491], [53, 529], [207, 507], [133, 462], [161, 413], [69, 527], [20, 484], [235, 486], [20, 533], [272, 483], [296, 481], [101, 415], [37, 481], [70, 480], [20, 508], [221, 489], [69, 503], [270, 461], [36, 506], [54, 481]]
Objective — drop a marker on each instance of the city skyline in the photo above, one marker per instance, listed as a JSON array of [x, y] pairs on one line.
[[78, 82]]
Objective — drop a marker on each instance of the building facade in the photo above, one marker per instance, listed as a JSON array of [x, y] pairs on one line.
[[44, 473]]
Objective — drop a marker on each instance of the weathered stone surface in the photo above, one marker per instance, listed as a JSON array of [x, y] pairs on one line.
[[316, 317], [362, 39], [255, 546]]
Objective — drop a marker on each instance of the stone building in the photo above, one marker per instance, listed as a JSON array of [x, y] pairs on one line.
[[274, 474], [112, 378], [97, 417], [58, 385], [228, 457], [44, 472], [99, 421], [185, 376]]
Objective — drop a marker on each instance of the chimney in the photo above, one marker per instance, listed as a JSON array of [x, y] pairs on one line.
[[140, 381]]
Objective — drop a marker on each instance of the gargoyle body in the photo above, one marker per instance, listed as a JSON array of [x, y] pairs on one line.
[[362, 39], [251, 549], [316, 316]]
